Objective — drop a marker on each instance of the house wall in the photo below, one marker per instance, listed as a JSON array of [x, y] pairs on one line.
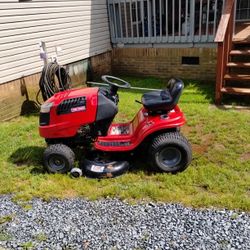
[[79, 27], [165, 62], [18, 97]]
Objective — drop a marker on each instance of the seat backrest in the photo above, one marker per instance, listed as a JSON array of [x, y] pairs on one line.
[[175, 87]]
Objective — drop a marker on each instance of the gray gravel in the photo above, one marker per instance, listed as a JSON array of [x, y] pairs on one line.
[[112, 224]]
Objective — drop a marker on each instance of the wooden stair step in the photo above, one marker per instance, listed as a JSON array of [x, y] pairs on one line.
[[241, 41], [237, 77], [238, 65], [243, 52], [237, 91]]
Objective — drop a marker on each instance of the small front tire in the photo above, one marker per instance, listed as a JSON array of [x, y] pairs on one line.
[[58, 158], [170, 153], [76, 172]]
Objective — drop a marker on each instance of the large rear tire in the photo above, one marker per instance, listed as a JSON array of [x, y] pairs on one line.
[[170, 153], [58, 158]]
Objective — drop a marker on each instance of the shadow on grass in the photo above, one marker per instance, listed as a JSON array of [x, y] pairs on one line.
[[32, 157], [139, 163], [235, 100], [137, 166], [194, 88], [29, 156]]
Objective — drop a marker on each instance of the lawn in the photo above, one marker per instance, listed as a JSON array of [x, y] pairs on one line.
[[218, 175]]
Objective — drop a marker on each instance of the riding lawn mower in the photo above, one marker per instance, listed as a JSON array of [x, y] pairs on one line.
[[82, 118]]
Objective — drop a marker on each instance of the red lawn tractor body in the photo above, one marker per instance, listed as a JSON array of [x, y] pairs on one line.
[[84, 116], [120, 137]]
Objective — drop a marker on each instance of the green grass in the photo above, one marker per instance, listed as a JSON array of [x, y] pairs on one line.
[[6, 219], [218, 175], [27, 245]]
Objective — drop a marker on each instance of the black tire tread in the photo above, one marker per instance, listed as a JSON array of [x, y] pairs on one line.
[[170, 137], [59, 149]]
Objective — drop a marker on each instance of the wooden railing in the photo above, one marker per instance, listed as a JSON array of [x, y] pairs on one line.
[[164, 21], [224, 38]]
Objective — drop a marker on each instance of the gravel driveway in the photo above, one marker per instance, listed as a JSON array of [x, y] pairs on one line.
[[112, 224]]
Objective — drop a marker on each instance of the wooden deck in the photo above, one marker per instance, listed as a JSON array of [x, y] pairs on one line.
[[242, 32]]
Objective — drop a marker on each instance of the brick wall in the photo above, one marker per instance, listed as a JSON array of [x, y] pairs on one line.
[[101, 64], [165, 62], [19, 96]]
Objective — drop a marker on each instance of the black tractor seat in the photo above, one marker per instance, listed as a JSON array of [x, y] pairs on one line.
[[164, 100]]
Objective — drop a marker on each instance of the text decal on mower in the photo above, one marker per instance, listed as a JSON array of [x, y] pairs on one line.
[[72, 105], [77, 109], [97, 169]]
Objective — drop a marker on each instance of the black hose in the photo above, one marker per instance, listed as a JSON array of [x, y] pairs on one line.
[[48, 85]]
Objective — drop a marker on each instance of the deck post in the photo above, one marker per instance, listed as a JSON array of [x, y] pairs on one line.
[[220, 73]]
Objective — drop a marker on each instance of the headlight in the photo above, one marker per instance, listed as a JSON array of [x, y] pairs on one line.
[[45, 108]]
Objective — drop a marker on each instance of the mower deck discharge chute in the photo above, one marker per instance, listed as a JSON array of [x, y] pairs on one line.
[[83, 117]]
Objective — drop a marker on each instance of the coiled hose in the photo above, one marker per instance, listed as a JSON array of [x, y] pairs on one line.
[[48, 83]]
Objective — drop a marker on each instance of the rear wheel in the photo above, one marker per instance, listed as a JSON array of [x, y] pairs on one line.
[[58, 158], [170, 152]]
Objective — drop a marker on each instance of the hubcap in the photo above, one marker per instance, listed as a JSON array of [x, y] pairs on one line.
[[169, 158], [75, 174], [56, 163]]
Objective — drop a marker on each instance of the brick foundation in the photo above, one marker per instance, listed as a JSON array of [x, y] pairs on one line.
[[165, 62], [19, 95], [101, 64]]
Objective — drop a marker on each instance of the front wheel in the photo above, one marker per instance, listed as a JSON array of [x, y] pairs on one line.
[[58, 158], [170, 152]]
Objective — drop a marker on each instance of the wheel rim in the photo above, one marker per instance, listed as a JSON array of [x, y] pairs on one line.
[[169, 158], [75, 174], [56, 163]]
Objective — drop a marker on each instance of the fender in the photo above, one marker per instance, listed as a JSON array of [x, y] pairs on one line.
[[138, 129]]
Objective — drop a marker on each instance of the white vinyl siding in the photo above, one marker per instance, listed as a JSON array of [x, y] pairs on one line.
[[79, 27]]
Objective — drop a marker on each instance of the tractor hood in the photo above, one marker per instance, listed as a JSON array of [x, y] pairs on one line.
[[71, 94], [65, 112]]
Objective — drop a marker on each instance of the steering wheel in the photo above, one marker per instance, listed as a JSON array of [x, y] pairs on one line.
[[112, 80]]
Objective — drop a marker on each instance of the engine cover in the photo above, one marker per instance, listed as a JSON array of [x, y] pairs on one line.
[[70, 110], [64, 114]]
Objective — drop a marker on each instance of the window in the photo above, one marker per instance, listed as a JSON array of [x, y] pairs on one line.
[[243, 10]]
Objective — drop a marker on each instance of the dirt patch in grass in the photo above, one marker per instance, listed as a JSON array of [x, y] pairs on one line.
[[245, 157], [199, 128], [207, 139], [70, 193], [186, 130], [199, 149], [219, 147]]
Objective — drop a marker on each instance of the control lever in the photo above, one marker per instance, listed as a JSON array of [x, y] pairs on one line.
[[138, 101]]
